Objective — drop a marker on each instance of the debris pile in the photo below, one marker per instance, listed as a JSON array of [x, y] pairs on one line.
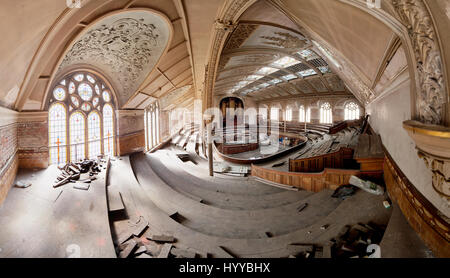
[[367, 186], [82, 172], [139, 241], [354, 241], [344, 191]]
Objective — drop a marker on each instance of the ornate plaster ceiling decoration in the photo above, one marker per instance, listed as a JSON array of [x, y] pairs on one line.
[[125, 46]]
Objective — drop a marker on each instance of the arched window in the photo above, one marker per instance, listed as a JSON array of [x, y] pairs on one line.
[[94, 135], [304, 116], [308, 115], [108, 130], [274, 114], [81, 105], [326, 113], [288, 115], [57, 133], [152, 125], [77, 136], [301, 114], [351, 111]]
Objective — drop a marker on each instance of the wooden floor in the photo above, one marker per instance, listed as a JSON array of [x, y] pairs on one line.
[[44, 222]]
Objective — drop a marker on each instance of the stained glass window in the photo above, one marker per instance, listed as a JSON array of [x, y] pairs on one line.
[[152, 125], [326, 114], [86, 107], [90, 79], [75, 101], [72, 135], [77, 136], [106, 96], [71, 88], [95, 102], [94, 135], [79, 77], [351, 111], [57, 133], [59, 93], [85, 91], [108, 130]]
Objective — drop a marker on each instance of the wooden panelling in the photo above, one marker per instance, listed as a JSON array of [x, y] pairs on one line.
[[237, 148], [423, 217], [131, 143], [327, 179], [340, 160]]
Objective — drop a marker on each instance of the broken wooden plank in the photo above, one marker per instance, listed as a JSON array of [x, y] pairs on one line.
[[124, 237], [151, 249], [115, 201], [140, 250], [162, 238], [81, 186], [165, 250], [144, 256], [139, 229], [182, 253], [296, 249], [128, 249], [302, 207], [224, 253], [62, 182]]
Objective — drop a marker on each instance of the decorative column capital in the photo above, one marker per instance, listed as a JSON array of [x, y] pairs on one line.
[[433, 145]]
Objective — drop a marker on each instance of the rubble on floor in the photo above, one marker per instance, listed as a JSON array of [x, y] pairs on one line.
[[367, 186], [344, 191], [23, 184], [139, 241], [224, 168], [81, 173], [353, 241], [357, 241]]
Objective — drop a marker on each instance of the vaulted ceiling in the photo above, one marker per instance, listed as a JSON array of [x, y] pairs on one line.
[[279, 49], [266, 61]]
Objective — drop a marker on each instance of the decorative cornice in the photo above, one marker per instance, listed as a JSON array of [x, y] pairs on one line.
[[8, 116], [431, 98], [39, 116]]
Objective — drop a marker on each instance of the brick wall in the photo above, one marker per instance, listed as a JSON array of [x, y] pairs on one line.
[[8, 143], [32, 139], [8, 150]]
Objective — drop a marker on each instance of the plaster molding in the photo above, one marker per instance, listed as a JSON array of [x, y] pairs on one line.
[[433, 145], [432, 97], [8, 116], [125, 45], [39, 116]]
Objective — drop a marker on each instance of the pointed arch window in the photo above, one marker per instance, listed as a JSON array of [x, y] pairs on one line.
[[304, 116], [274, 114], [94, 134], [326, 113], [288, 115], [57, 133], [351, 111], [81, 118], [108, 129], [152, 125], [77, 136]]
